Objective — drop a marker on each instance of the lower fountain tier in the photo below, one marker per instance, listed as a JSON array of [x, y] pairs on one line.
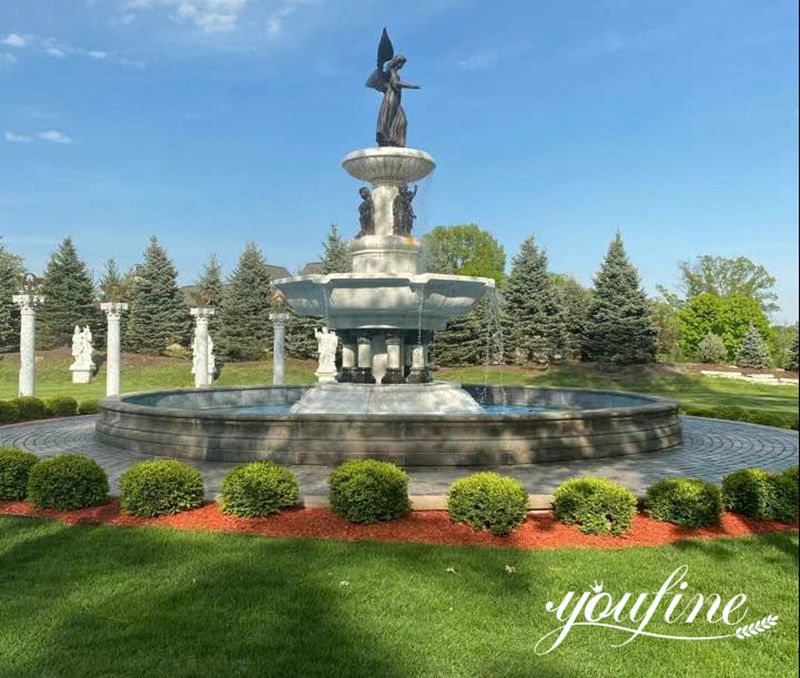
[[384, 300], [354, 399]]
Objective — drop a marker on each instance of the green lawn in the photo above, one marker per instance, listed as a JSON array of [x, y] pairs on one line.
[[101, 601], [141, 373]]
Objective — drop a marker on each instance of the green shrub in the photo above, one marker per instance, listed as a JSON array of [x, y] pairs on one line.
[[785, 495], [9, 412], [61, 406], [158, 487], [488, 501], [30, 408], [597, 505], [67, 482], [711, 349], [368, 491], [258, 489], [747, 492], [687, 502], [15, 466], [89, 406], [736, 413]]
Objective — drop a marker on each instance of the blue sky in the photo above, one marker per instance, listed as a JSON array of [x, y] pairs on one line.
[[214, 122]]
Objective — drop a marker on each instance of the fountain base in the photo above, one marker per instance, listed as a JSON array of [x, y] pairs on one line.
[[388, 399]]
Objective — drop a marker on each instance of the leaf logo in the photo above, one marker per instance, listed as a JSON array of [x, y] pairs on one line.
[[757, 627]]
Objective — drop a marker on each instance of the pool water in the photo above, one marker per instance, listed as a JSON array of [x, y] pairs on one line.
[[490, 410]]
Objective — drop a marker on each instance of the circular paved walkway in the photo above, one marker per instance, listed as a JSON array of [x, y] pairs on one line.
[[710, 449]]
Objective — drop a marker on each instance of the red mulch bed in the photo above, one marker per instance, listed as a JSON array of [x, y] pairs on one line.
[[540, 531]]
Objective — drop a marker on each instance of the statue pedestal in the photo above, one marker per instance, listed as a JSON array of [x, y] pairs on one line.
[[325, 377], [81, 375]]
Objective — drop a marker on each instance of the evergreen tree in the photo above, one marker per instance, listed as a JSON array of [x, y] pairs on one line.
[[209, 292], [113, 285], [535, 331], [10, 277], [245, 328], [158, 315], [473, 338], [712, 349], [300, 341], [620, 328], [793, 355], [574, 300], [69, 298], [753, 352], [335, 255]]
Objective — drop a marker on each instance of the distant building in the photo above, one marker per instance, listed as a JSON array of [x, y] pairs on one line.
[[312, 268]]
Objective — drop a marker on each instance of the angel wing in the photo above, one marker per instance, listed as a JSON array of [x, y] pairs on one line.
[[377, 80]]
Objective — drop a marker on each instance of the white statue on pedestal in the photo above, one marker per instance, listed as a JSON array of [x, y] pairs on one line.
[[327, 343], [82, 350], [212, 359]]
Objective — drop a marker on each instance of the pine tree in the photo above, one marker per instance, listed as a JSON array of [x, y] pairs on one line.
[[753, 352], [10, 277], [620, 329], [711, 349], [300, 341], [245, 329], [69, 298], [535, 329], [335, 256], [574, 300], [158, 315], [465, 340], [209, 291], [793, 355], [113, 285]]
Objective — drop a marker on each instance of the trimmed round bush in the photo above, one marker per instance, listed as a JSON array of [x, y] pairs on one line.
[[61, 406], [89, 406], [259, 489], [159, 487], [687, 502], [15, 467], [67, 482], [596, 505], [369, 491], [785, 495], [748, 492], [30, 407], [9, 412], [488, 501]]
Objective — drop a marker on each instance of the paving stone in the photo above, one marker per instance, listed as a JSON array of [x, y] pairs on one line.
[[711, 449]]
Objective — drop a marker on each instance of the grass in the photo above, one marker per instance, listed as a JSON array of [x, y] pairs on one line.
[[143, 373], [102, 601]]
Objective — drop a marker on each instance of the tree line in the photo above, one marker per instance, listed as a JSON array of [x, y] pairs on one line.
[[535, 317]]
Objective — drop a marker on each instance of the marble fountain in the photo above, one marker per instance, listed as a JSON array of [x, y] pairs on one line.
[[379, 399]]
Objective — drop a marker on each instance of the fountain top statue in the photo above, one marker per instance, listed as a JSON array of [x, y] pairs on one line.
[[392, 123]]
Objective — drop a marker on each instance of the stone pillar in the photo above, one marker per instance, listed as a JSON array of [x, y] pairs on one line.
[[419, 373], [349, 351], [364, 370], [378, 357], [278, 346], [113, 311], [28, 304], [394, 365], [202, 373]]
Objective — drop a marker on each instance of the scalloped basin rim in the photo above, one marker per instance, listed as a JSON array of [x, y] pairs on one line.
[[398, 278]]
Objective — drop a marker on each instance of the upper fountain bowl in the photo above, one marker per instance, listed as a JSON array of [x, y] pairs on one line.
[[389, 165]]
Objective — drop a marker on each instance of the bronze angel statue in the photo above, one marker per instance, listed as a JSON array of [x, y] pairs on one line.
[[392, 122]]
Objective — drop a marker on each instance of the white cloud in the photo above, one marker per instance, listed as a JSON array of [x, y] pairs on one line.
[[479, 62], [56, 52], [14, 138], [97, 54], [211, 16], [55, 136], [7, 60], [14, 40]]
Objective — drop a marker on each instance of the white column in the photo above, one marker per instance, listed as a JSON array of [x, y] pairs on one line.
[[27, 341], [348, 356], [202, 378], [393, 353], [113, 311], [278, 346]]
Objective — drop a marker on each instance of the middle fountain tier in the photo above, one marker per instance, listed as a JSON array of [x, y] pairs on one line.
[[386, 311]]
